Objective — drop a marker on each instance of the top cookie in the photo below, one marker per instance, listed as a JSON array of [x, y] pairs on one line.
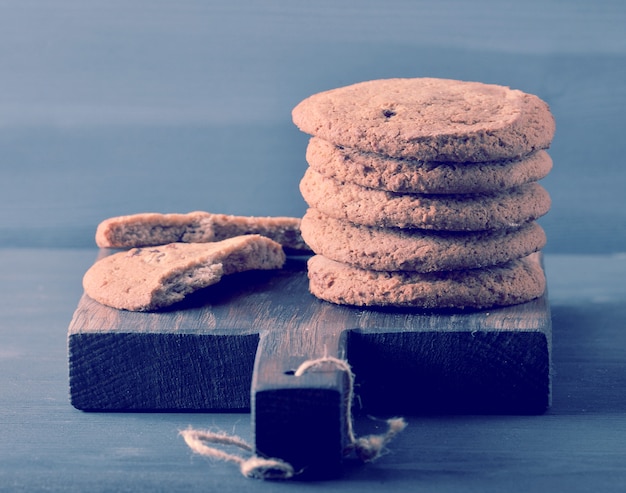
[[429, 119]]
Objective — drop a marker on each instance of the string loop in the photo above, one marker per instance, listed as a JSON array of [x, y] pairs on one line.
[[367, 448], [252, 467]]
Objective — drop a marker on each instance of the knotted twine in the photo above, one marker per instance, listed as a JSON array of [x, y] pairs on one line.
[[367, 448]]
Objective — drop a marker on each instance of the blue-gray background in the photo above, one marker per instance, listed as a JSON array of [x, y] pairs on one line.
[[115, 107]]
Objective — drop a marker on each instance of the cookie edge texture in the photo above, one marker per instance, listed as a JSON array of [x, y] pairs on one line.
[[404, 175], [456, 212], [514, 283], [394, 249]]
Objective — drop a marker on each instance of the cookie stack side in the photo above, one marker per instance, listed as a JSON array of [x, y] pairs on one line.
[[423, 192]]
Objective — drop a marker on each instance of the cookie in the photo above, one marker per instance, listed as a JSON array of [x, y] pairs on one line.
[[429, 119], [149, 229], [417, 250], [460, 212], [146, 279], [516, 282], [408, 175]]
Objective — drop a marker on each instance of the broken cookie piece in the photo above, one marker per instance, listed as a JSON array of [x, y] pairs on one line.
[[146, 279], [148, 229]]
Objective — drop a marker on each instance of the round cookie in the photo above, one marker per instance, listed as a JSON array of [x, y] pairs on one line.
[[409, 175], [429, 119], [461, 212], [393, 249], [516, 282]]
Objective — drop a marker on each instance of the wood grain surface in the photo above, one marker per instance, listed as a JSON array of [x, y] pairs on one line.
[[202, 355]]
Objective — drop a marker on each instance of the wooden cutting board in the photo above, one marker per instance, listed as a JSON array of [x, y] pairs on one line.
[[234, 347]]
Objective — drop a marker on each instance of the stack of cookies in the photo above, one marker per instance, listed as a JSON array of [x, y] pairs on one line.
[[423, 193]]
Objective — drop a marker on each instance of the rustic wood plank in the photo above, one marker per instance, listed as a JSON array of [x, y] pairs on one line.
[[486, 361], [302, 418], [120, 360], [235, 346]]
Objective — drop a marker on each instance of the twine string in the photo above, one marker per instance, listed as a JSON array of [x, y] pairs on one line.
[[367, 448], [254, 467]]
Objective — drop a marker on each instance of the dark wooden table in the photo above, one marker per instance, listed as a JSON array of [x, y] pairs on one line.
[[116, 108]]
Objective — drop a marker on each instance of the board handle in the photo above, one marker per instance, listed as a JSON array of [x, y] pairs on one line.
[[301, 419]]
